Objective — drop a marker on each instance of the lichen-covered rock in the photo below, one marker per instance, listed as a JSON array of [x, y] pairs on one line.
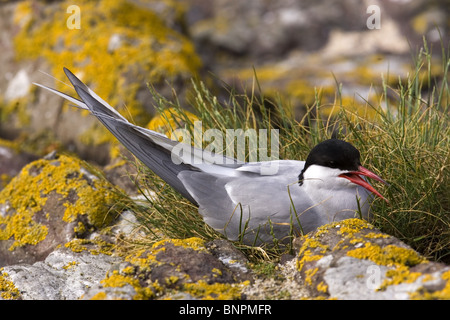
[[64, 275], [128, 43], [50, 202], [351, 259], [175, 268]]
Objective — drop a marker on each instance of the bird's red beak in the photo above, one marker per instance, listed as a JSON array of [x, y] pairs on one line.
[[354, 176]]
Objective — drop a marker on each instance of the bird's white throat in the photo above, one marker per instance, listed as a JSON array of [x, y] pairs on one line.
[[335, 196]]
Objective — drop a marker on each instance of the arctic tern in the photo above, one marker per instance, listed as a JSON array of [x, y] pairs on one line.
[[238, 199]]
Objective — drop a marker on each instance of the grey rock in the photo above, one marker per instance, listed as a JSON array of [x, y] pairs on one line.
[[63, 275], [45, 190], [230, 256], [99, 292], [351, 260]]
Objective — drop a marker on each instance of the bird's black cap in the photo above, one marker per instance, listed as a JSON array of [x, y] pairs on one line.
[[333, 153]]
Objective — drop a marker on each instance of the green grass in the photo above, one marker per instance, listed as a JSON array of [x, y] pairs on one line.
[[406, 143]]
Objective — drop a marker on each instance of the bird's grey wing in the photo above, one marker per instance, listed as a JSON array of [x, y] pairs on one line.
[[144, 145], [153, 149], [78, 103], [180, 153], [107, 109], [253, 207]]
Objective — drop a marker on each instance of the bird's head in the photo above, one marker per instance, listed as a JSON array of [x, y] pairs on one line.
[[333, 160]]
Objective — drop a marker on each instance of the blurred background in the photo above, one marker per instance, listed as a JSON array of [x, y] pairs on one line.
[[298, 50]]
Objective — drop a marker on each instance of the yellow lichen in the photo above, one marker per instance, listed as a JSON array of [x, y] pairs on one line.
[[70, 265], [398, 258], [145, 49], [80, 228], [215, 291], [144, 258], [306, 92], [8, 290], [118, 280], [307, 257], [322, 287], [309, 274], [349, 227], [64, 177], [98, 246], [128, 270], [171, 280], [401, 274], [387, 256], [310, 242], [443, 294], [77, 245], [99, 296], [216, 272]]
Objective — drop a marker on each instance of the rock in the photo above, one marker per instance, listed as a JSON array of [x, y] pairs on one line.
[[284, 284], [63, 275], [122, 172], [229, 255], [56, 237], [18, 87], [351, 259], [303, 49], [50, 202], [12, 160], [141, 44], [345, 260], [173, 268], [264, 29]]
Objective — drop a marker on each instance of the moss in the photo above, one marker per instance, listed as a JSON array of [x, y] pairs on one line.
[[7, 289], [26, 195]]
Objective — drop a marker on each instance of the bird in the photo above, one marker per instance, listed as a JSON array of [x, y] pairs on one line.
[[238, 199]]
